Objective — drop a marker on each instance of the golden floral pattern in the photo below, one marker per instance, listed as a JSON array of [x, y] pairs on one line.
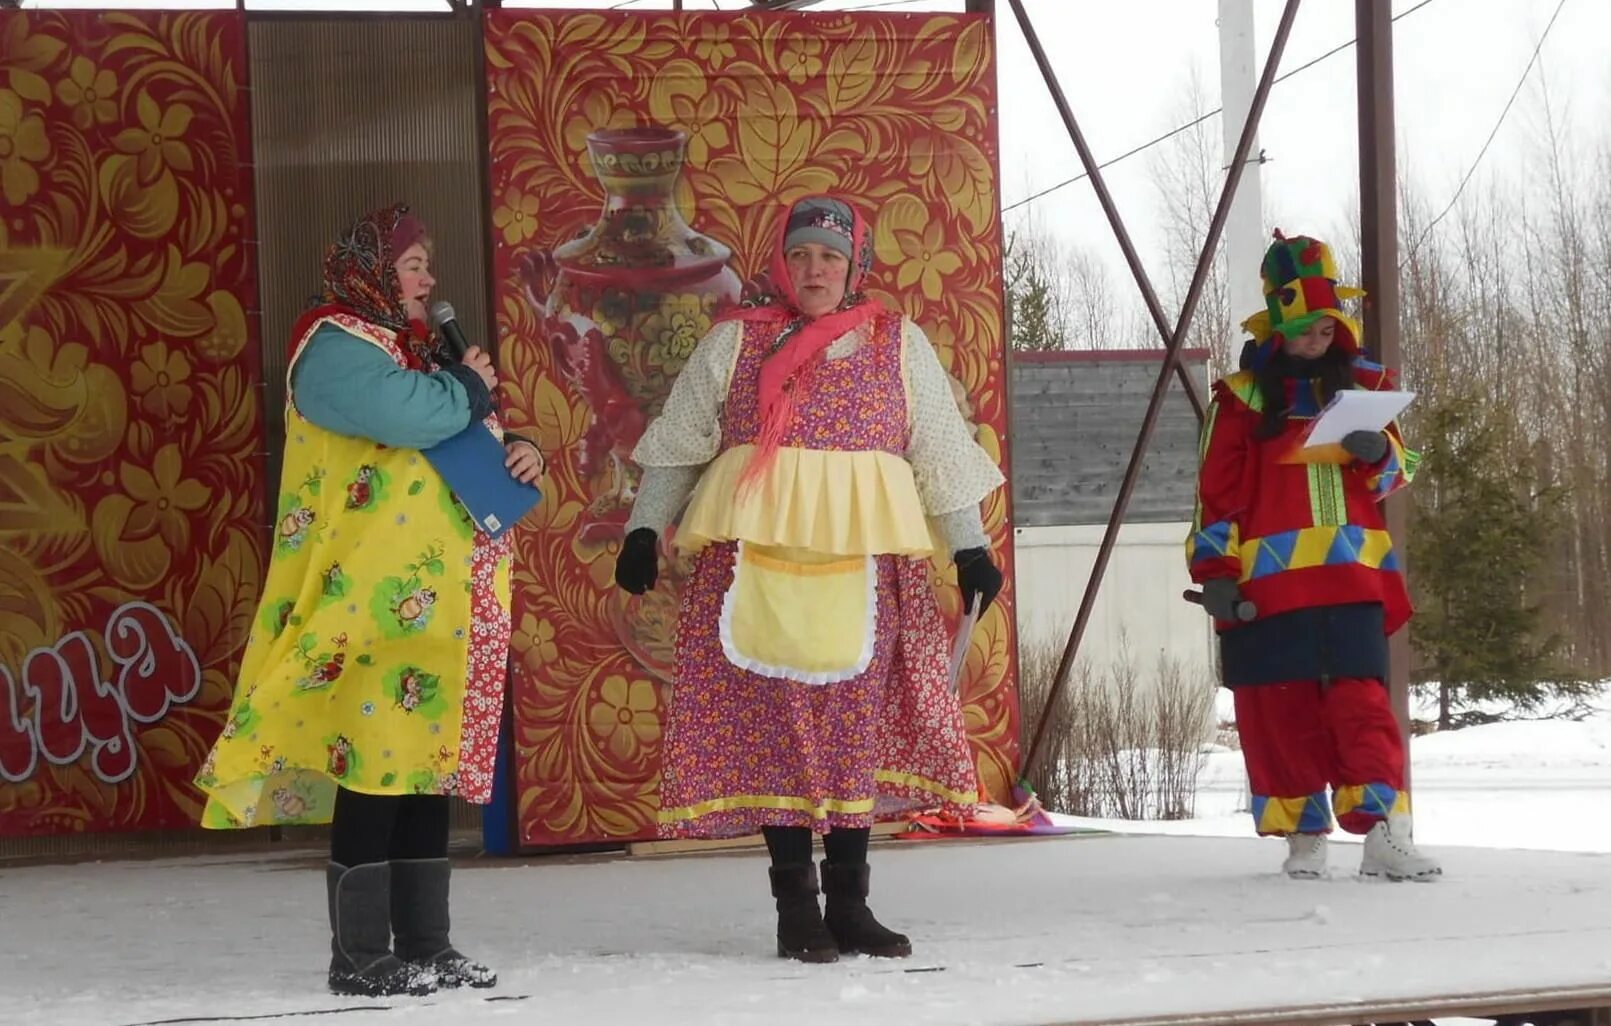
[[774, 108], [158, 140], [534, 640], [159, 377], [516, 218], [90, 92], [22, 146], [625, 718], [678, 325], [130, 427]]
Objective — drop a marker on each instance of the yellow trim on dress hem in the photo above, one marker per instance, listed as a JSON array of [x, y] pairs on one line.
[[924, 784], [818, 810]]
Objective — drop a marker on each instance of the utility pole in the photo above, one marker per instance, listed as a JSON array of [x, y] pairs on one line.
[[1244, 230]]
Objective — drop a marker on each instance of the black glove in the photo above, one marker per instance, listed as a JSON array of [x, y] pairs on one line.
[[1365, 446], [1222, 598], [638, 565], [978, 578]]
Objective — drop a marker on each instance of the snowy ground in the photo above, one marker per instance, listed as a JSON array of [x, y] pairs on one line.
[[1057, 931], [1068, 930], [1542, 785]]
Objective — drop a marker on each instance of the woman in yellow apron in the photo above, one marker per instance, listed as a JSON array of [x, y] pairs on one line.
[[372, 684], [818, 434]]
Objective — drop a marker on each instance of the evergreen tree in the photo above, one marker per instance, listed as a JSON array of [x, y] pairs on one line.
[[1478, 542], [1030, 315]]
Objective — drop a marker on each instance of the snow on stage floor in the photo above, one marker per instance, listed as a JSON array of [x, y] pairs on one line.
[[1051, 931]]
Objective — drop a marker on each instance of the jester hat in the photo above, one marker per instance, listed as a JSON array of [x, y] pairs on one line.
[[1300, 287]]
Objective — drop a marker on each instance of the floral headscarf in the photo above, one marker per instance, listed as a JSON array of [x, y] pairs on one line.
[[360, 278], [358, 271], [799, 341]]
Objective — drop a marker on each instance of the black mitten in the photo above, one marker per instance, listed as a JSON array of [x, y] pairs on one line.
[[638, 565], [978, 578]]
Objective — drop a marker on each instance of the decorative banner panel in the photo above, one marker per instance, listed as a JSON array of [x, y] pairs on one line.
[[131, 493], [639, 165]]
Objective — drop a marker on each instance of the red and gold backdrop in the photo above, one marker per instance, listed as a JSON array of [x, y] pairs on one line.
[[639, 164], [130, 431]]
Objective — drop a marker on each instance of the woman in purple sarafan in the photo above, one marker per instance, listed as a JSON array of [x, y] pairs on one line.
[[813, 437]]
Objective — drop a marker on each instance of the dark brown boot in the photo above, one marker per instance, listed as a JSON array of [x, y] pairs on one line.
[[850, 921], [801, 935]]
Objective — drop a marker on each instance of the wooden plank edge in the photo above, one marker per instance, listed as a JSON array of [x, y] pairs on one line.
[[1594, 998]]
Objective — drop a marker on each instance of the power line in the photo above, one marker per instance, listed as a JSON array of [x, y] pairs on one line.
[[1192, 123], [1484, 151]]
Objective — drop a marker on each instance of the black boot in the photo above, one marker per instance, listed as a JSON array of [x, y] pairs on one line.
[[361, 959], [801, 935], [420, 924], [850, 920]]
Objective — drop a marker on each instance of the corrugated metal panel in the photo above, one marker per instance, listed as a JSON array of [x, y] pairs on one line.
[[1074, 425], [348, 117]]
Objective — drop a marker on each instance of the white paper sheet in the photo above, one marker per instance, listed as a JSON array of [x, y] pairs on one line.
[[1356, 410]]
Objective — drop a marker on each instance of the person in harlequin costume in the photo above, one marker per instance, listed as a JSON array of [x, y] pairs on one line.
[[372, 684], [817, 433], [1302, 579]]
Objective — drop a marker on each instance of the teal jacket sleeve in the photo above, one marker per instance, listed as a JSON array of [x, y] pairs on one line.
[[346, 385]]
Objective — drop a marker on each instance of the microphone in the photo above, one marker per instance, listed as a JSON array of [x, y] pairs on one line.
[[446, 323]]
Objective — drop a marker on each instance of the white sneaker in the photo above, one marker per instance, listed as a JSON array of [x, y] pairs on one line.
[[1390, 852], [1306, 856]]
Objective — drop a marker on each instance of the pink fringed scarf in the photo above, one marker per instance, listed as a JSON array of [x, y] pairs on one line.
[[799, 342]]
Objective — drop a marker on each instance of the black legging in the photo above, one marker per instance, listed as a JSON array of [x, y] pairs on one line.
[[792, 845], [379, 827]]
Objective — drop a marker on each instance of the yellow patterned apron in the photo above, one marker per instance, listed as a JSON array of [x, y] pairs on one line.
[[354, 673]]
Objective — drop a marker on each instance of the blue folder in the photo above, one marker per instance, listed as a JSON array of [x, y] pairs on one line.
[[471, 462]]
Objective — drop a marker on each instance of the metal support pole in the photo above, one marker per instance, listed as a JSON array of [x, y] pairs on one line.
[[481, 12], [1131, 257], [1378, 217], [1171, 361]]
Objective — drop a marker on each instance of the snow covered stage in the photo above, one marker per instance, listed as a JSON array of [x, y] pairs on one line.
[[1077, 930]]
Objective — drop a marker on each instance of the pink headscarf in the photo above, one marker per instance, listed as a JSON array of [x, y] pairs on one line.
[[800, 341]]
